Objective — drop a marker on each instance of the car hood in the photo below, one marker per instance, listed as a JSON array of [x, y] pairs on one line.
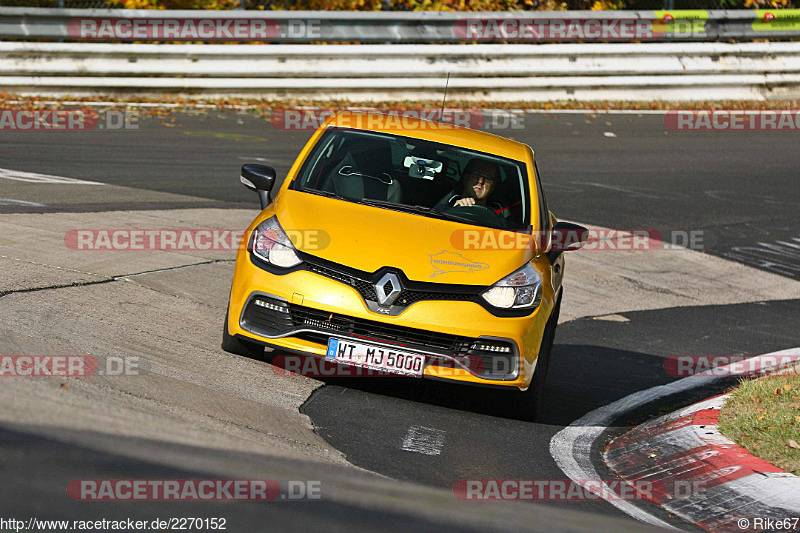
[[425, 249]]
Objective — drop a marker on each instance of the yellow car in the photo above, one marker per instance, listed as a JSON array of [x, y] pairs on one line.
[[405, 246]]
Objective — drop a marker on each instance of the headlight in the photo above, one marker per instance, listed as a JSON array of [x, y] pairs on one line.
[[520, 290], [271, 244]]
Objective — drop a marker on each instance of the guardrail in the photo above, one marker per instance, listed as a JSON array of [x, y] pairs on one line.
[[645, 71], [397, 27]]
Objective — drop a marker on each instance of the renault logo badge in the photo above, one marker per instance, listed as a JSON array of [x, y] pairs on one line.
[[388, 289]]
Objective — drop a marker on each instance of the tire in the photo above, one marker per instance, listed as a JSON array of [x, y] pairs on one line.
[[237, 346], [527, 405]]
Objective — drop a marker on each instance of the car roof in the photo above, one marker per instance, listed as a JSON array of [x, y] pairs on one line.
[[431, 131]]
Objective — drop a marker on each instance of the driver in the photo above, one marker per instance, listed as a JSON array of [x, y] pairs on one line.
[[479, 182]]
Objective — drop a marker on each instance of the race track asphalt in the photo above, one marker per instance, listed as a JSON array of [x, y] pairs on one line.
[[736, 193]]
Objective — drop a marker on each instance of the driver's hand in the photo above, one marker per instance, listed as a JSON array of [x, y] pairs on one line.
[[464, 202]]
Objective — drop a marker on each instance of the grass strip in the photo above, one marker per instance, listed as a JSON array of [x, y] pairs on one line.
[[763, 416]]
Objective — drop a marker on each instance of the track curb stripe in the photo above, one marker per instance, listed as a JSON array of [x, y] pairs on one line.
[[571, 450], [697, 473]]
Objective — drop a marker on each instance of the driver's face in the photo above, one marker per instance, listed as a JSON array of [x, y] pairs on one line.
[[479, 181]]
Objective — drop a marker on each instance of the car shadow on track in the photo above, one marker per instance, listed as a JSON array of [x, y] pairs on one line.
[[608, 360], [581, 378]]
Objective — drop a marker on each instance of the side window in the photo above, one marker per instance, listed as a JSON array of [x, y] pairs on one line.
[[544, 212]]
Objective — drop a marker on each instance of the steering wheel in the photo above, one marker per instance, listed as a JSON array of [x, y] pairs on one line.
[[478, 213]]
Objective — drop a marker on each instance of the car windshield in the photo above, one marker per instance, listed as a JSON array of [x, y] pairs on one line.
[[418, 176]]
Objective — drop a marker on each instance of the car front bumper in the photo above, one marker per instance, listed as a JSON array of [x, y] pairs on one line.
[[298, 311]]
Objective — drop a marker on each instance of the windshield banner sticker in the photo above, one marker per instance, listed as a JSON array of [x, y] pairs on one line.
[[446, 262]]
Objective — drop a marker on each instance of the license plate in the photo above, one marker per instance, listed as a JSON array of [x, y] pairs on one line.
[[376, 357]]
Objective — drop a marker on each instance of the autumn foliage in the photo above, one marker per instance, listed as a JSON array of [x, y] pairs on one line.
[[410, 5]]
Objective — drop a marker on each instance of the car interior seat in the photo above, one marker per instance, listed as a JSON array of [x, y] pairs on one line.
[[365, 172]]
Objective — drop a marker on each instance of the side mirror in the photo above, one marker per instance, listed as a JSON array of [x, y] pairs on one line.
[[259, 178], [566, 237]]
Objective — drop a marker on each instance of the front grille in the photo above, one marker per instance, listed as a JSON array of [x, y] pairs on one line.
[[272, 317], [273, 323], [409, 296], [365, 288], [362, 283], [369, 328]]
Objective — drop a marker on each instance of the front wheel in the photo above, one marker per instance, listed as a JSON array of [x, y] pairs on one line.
[[528, 405], [237, 346]]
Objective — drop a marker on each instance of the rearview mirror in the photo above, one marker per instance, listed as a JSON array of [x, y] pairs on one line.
[[259, 178], [419, 167]]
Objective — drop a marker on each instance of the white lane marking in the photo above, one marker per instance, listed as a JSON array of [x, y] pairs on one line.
[[32, 177], [427, 441], [781, 257], [609, 134], [571, 447], [11, 201], [633, 194], [612, 318]]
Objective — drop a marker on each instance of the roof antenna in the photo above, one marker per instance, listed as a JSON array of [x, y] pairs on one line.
[[441, 114]]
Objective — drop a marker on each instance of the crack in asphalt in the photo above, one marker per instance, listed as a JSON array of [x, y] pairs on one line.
[[51, 287], [659, 290], [169, 269], [110, 279]]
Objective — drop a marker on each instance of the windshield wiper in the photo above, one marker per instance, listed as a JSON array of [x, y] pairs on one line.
[[418, 209], [327, 194], [399, 207]]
